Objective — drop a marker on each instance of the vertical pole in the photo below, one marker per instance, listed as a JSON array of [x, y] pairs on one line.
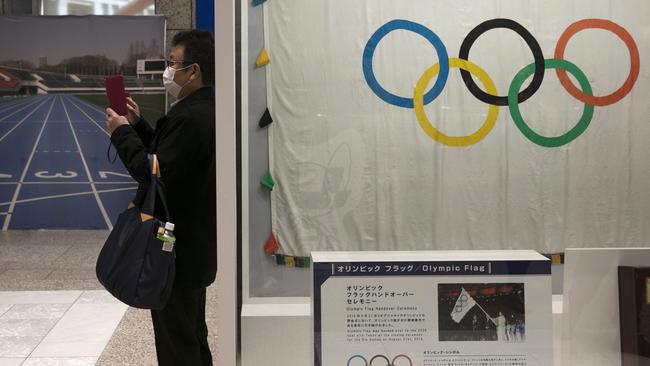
[[226, 353]]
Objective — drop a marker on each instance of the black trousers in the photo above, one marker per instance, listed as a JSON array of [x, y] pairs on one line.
[[180, 330]]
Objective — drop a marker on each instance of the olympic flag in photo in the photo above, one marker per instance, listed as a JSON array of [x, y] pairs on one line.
[[498, 124], [464, 304]]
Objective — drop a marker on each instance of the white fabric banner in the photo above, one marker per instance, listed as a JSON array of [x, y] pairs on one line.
[[360, 164], [464, 303]]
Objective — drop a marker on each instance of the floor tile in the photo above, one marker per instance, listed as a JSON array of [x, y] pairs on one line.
[[18, 346], [52, 237], [4, 308], [38, 297], [80, 255], [24, 274], [60, 361], [36, 311], [41, 255], [73, 274], [51, 285], [83, 331], [6, 361], [132, 342], [97, 297], [25, 327]]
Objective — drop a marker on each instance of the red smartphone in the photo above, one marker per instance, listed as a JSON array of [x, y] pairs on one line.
[[116, 94]]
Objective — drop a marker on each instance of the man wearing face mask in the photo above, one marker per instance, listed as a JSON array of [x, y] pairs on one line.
[[184, 141]]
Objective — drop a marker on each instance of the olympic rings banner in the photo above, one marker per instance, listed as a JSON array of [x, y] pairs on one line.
[[459, 124], [514, 97], [364, 362]]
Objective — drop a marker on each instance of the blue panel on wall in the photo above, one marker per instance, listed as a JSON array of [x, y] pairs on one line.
[[205, 15]]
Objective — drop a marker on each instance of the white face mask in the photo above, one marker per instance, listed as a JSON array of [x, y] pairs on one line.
[[170, 85]]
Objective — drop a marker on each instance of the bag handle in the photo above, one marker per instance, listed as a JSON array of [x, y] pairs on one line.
[[155, 167], [156, 187]]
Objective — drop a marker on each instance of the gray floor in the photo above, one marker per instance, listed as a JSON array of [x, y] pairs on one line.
[[65, 260]]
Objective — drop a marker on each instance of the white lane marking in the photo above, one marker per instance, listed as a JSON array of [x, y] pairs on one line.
[[43, 198], [16, 111], [29, 162], [67, 175], [5, 107], [21, 103], [90, 118], [105, 174], [92, 106], [76, 182], [90, 177], [21, 121]]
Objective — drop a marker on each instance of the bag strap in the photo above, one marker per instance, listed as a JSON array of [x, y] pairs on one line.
[[156, 188], [155, 167], [108, 154]]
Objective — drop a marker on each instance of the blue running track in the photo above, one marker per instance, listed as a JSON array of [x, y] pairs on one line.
[[54, 173]]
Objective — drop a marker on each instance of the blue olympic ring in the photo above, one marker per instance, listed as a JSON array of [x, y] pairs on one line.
[[358, 356], [369, 52]]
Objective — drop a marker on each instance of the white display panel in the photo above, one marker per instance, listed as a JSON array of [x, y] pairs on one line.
[[432, 308], [591, 323]]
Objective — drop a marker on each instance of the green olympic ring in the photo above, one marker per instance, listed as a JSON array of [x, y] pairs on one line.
[[533, 136]]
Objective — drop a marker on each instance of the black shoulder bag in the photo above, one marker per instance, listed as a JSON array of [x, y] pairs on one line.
[[132, 264]]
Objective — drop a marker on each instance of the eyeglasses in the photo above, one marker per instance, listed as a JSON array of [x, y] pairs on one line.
[[171, 63]]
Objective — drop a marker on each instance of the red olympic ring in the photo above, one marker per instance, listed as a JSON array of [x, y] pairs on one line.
[[402, 356], [635, 62]]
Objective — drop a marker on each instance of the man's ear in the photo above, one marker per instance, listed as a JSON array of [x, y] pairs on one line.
[[196, 68]]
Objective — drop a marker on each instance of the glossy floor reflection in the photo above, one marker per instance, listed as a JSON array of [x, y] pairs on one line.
[[53, 311], [56, 327]]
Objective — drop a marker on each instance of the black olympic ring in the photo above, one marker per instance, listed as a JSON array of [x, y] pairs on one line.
[[538, 56], [380, 356]]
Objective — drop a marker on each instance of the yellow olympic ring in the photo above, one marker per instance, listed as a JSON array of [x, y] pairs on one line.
[[418, 104]]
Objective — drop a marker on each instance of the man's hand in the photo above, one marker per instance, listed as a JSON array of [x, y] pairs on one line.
[[114, 120], [133, 115]]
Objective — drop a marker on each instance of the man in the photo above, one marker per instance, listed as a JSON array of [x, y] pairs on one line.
[[184, 141], [474, 335], [500, 322]]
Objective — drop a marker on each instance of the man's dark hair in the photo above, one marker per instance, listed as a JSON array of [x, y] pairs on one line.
[[199, 48]]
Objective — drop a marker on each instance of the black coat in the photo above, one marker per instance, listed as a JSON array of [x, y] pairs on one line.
[[184, 141]]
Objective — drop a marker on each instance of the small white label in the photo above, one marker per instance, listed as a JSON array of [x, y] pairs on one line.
[[167, 246]]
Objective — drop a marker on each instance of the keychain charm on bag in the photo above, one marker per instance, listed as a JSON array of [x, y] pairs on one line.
[[166, 235]]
